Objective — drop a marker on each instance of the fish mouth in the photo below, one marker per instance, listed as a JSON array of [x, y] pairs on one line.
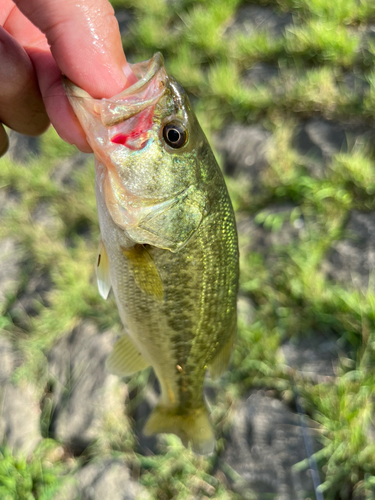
[[127, 116], [146, 92]]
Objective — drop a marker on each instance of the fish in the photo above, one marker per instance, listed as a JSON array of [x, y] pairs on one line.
[[168, 248]]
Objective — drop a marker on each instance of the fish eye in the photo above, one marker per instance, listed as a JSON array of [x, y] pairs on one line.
[[175, 135]]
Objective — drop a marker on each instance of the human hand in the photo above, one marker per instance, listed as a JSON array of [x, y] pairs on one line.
[[39, 40]]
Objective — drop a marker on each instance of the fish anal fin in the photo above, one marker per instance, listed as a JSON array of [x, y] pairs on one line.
[[125, 359], [102, 271], [193, 428], [221, 361], [144, 270]]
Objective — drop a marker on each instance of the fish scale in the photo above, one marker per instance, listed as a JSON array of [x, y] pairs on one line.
[[168, 244]]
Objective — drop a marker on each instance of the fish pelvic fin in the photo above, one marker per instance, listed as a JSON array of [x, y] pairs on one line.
[[192, 428], [102, 271], [221, 361], [125, 359]]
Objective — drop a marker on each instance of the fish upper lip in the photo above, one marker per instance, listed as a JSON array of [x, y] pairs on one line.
[[144, 73], [139, 96]]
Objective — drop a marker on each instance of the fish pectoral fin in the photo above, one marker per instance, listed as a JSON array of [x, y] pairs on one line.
[[125, 359], [192, 428], [102, 271], [221, 361], [144, 271]]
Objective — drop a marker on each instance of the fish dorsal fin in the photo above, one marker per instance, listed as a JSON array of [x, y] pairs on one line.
[[102, 271], [144, 271], [125, 359], [221, 361]]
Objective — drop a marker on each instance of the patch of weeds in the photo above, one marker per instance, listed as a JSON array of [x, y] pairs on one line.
[[77, 208], [342, 11], [185, 66], [32, 181], [275, 221], [121, 4], [178, 473], [150, 30], [255, 362], [289, 180], [321, 42], [345, 411], [150, 35], [5, 322], [205, 25], [369, 97], [260, 46], [314, 91], [71, 299], [232, 97], [53, 148], [355, 172], [116, 433], [241, 196], [27, 479]]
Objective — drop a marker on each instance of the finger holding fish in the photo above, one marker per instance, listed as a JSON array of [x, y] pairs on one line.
[[39, 40]]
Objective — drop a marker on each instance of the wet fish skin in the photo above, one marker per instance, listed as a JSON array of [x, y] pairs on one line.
[[169, 238]]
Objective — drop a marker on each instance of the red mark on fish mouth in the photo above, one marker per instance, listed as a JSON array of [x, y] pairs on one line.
[[125, 139], [138, 126]]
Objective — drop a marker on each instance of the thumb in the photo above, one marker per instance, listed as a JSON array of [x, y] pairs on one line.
[[85, 42]]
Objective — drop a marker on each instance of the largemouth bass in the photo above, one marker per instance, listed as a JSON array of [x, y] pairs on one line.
[[168, 244]]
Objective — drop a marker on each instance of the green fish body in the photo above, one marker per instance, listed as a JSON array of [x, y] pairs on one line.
[[169, 244]]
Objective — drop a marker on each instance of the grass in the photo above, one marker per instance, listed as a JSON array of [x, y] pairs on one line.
[[290, 293], [40, 477]]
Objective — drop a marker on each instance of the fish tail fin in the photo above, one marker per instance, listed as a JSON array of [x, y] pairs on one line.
[[193, 428]]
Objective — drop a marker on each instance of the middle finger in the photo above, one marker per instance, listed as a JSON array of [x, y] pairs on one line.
[[21, 104]]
